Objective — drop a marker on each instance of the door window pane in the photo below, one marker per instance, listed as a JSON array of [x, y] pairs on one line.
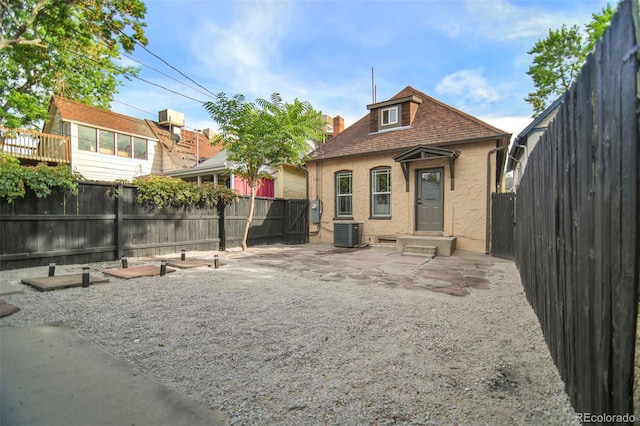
[[430, 186]]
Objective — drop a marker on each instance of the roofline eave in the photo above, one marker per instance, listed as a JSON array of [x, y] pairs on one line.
[[505, 136]]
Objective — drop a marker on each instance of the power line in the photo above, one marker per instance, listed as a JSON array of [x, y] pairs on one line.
[[127, 73], [169, 65], [134, 107], [114, 28], [164, 74]]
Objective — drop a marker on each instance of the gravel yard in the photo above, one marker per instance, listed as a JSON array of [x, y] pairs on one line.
[[283, 336]]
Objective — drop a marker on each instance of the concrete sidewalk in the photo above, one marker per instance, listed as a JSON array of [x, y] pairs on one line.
[[50, 376]]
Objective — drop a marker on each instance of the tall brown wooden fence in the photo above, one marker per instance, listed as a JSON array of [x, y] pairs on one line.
[[97, 226], [578, 225], [503, 225]]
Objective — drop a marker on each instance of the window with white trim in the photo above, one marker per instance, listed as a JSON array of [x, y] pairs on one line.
[[389, 116], [344, 194], [381, 192]]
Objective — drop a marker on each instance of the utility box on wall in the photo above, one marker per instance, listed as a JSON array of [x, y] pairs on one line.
[[347, 234], [316, 211]]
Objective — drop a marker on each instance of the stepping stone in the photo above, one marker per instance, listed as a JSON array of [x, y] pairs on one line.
[[136, 271], [61, 281], [7, 309], [195, 263]]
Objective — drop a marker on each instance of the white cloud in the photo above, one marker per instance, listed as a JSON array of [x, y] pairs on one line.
[[244, 50], [513, 125], [467, 85], [504, 20]]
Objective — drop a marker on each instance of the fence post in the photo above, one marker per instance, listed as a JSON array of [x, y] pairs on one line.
[[119, 228], [286, 224], [221, 228]]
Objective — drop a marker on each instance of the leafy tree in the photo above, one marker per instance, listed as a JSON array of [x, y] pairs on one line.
[[557, 59], [66, 48], [263, 133]]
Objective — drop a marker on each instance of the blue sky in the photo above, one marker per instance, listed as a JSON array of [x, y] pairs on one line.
[[470, 54]]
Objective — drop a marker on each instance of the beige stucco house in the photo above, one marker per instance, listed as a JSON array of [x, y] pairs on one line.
[[413, 170]]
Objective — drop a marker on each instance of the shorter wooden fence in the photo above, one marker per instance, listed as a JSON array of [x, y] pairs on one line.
[[96, 225]]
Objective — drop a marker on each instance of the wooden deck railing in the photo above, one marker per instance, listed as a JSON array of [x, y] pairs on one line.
[[32, 145]]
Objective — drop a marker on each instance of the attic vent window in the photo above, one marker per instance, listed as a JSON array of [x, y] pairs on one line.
[[389, 116]]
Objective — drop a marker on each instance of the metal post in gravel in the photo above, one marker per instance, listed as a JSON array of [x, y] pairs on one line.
[[85, 276], [125, 262], [52, 269], [163, 268], [216, 261], [183, 255]]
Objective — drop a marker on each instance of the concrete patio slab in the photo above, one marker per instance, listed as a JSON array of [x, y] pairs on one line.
[[51, 376]]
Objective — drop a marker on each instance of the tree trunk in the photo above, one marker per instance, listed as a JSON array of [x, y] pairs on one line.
[[252, 203]]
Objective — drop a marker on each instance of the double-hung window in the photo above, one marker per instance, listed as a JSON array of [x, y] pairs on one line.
[[381, 192], [344, 194]]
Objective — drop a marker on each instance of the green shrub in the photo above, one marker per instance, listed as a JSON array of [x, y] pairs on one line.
[[161, 191], [41, 179]]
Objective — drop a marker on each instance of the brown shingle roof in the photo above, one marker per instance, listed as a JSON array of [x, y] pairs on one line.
[[87, 114], [187, 140], [435, 123]]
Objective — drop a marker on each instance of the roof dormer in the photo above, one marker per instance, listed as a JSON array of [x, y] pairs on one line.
[[393, 114]]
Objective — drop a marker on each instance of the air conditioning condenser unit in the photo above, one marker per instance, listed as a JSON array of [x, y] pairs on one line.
[[347, 234]]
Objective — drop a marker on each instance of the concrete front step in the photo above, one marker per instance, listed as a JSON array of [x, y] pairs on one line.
[[445, 245], [420, 250]]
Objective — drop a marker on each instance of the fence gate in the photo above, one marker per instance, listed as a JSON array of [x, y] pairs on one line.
[[296, 222], [503, 225]]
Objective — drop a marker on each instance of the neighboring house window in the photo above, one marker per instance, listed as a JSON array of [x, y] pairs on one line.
[[140, 148], [389, 116], [381, 192], [87, 140], [344, 195], [124, 145], [106, 142]]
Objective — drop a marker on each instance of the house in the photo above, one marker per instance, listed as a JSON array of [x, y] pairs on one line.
[[413, 170], [527, 140], [107, 146], [287, 181]]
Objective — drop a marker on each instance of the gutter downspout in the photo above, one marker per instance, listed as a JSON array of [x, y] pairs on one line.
[[488, 215]]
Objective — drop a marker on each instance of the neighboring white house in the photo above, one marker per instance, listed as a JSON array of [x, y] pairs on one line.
[[107, 146], [527, 140]]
